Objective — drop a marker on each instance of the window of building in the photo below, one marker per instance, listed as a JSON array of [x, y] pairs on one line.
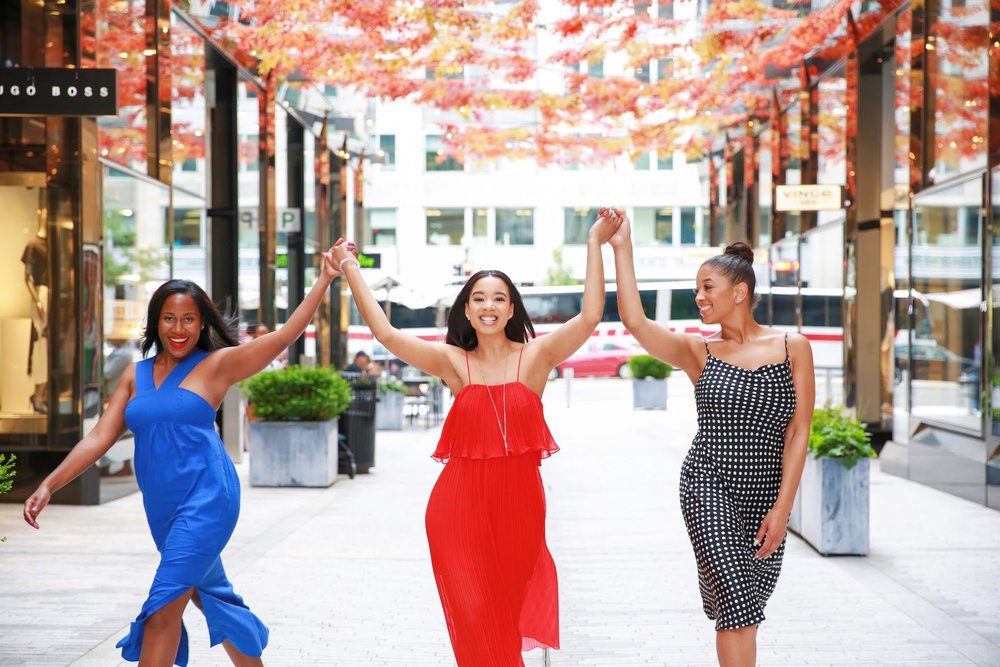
[[444, 71], [665, 9], [642, 71], [654, 226], [664, 159], [664, 69], [689, 226], [577, 223], [642, 161], [437, 158], [480, 223], [380, 226], [387, 151], [515, 226], [595, 66], [187, 226], [445, 226], [121, 40]]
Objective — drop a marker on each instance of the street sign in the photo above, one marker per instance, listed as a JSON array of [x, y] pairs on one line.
[[289, 220], [56, 91], [808, 197]]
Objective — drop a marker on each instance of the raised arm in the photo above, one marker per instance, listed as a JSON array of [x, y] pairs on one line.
[[676, 349], [432, 358], [772, 530], [87, 452], [553, 348], [234, 364]]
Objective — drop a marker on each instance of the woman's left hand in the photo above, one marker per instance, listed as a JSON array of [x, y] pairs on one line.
[[608, 222], [772, 531], [340, 251]]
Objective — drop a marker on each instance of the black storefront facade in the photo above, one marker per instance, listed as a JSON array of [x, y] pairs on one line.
[[202, 171], [902, 115]]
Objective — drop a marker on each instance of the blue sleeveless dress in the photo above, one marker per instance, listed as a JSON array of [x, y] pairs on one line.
[[191, 495]]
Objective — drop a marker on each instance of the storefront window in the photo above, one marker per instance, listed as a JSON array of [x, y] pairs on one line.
[[480, 224], [943, 359], [821, 274], [515, 226], [831, 157], [959, 67], [445, 226], [994, 388], [281, 202], [653, 226], [436, 157], [24, 315], [190, 173], [248, 189], [121, 41]]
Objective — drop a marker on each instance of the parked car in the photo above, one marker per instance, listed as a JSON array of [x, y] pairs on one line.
[[598, 358], [931, 361]]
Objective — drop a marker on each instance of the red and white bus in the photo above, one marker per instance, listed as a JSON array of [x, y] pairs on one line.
[[671, 304]]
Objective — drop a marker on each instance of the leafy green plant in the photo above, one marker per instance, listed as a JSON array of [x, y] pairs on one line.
[[835, 434], [390, 386], [297, 393], [647, 366], [7, 473]]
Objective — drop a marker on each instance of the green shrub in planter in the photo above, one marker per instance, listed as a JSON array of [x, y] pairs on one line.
[[837, 435], [390, 386], [6, 476], [646, 366], [297, 393]]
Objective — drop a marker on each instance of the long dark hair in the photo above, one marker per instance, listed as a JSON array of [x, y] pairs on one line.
[[460, 331], [736, 263], [218, 331]]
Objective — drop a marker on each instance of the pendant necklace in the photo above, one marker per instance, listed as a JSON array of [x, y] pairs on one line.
[[503, 427]]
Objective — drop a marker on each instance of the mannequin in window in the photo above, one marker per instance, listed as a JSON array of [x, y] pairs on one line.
[[36, 277]]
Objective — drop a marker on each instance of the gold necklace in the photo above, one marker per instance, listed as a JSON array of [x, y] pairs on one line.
[[503, 428]]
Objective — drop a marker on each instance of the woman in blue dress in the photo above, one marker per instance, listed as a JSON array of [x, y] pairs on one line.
[[189, 486]]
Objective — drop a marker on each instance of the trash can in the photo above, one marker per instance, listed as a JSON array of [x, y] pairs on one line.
[[357, 424], [968, 381]]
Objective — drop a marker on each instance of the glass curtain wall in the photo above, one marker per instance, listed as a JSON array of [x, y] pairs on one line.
[[120, 44], [248, 188]]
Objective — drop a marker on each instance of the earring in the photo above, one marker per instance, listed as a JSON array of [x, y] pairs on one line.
[[739, 299]]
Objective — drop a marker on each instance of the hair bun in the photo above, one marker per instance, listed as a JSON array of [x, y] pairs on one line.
[[741, 250]]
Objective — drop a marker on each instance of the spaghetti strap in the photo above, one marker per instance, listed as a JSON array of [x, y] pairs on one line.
[[519, 355], [707, 351], [786, 346]]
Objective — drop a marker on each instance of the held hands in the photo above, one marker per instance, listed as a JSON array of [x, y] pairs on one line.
[[622, 233], [338, 256], [772, 531], [608, 222], [34, 505]]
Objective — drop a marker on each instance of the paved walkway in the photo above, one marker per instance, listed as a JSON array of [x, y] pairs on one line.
[[342, 575]]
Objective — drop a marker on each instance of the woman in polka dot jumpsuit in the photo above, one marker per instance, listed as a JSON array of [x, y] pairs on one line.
[[754, 390]]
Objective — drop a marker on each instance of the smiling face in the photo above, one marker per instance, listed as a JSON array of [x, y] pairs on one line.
[[180, 325], [489, 306], [716, 295]]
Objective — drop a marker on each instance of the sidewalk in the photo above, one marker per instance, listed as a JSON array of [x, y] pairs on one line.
[[343, 578]]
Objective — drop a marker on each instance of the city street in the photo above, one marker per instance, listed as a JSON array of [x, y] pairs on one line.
[[342, 575]]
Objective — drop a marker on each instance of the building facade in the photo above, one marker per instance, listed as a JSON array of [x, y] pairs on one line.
[[205, 171]]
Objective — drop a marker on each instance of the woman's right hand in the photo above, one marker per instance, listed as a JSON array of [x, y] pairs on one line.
[[341, 250], [623, 235], [34, 505]]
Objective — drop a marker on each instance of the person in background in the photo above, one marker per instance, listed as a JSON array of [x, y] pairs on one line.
[[360, 364]]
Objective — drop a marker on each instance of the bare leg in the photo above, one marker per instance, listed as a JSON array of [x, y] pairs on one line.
[[239, 659], [162, 633], [737, 648]]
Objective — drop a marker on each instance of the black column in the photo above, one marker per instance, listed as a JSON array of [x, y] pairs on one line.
[[223, 214], [296, 239]]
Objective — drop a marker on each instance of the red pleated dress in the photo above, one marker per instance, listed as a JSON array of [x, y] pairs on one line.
[[486, 527]]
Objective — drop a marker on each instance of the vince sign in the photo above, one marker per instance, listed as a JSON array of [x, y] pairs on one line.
[[808, 197], [55, 91]]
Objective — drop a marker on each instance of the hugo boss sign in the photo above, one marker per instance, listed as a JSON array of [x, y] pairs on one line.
[[52, 91]]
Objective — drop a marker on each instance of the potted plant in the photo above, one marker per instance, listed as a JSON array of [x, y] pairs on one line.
[[7, 473], [649, 391], [831, 506], [389, 412], [293, 439]]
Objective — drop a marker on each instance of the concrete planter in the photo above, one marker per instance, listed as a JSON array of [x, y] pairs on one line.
[[649, 394], [389, 412], [293, 453], [831, 508]]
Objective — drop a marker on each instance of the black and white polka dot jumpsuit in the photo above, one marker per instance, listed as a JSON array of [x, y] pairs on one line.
[[729, 481]]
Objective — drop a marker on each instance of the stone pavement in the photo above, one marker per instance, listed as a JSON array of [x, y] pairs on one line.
[[342, 575]]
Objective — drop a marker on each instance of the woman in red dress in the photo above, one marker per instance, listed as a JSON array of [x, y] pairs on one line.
[[486, 514]]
